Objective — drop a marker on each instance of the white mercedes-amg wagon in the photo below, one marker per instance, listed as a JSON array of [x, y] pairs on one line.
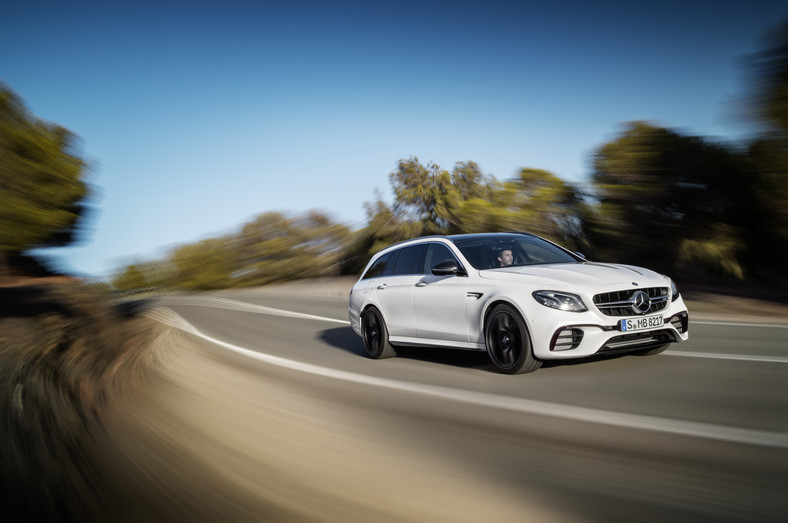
[[521, 298]]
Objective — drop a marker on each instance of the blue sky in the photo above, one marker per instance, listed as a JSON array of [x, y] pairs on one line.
[[198, 115]]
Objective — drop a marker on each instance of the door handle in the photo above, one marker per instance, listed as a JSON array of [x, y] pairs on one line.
[[382, 286], [421, 284]]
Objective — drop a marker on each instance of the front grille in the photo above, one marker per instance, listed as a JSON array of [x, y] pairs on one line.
[[619, 303], [638, 340]]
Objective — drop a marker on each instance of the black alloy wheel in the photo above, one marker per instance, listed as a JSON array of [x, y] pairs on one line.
[[375, 335], [508, 342]]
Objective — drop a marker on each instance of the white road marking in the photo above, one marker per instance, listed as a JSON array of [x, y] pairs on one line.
[[721, 356], [224, 303], [618, 419], [739, 324]]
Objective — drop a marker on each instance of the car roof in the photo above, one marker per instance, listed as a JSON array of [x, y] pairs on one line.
[[460, 237], [453, 238]]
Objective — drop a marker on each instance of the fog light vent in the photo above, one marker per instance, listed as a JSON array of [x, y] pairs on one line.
[[679, 322], [567, 339]]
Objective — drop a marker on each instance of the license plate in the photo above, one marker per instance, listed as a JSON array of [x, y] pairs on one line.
[[639, 324]]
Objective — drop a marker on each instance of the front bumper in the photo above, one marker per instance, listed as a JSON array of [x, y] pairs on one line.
[[593, 333]]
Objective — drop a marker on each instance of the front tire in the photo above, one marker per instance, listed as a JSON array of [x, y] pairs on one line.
[[508, 342], [376, 335]]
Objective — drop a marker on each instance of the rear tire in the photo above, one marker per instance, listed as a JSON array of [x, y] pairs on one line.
[[508, 342], [376, 335]]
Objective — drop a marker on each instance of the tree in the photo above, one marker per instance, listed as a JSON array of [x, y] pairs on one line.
[[274, 247], [658, 189], [204, 265], [42, 187], [538, 201], [422, 195], [770, 77], [431, 200], [769, 155], [132, 278], [268, 249]]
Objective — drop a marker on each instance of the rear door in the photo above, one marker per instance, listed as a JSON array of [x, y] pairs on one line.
[[394, 289]]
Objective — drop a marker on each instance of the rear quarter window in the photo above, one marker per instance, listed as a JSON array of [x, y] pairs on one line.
[[378, 268]]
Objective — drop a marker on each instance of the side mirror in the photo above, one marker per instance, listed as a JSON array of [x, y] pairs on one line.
[[448, 268], [581, 255]]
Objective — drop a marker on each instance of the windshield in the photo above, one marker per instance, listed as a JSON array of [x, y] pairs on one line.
[[510, 250]]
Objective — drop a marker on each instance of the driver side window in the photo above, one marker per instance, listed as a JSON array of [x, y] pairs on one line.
[[437, 253]]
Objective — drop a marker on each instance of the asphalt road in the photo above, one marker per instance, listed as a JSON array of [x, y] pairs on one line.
[[698, 433]]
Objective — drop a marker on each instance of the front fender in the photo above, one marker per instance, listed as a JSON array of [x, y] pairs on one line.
[[491, 301]]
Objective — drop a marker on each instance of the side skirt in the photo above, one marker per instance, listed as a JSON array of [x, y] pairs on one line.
[[420, 342]]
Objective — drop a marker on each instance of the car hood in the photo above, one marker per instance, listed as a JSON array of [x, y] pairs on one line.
[[562, 275]]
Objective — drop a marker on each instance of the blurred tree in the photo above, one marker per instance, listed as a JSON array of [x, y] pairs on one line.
[[769, 154], [473, 201], [657, 189], [271, 248], [41, 181], [132, 278], [207, 264], [430, 200], [770, 78], [384, 227], [769, 234], [538, 201], [422, 195], [274, 248], [469, 182], [158, 273], [427, 200], [356, 254]]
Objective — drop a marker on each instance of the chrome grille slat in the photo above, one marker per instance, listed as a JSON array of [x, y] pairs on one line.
[[613, 305], [618, 303]]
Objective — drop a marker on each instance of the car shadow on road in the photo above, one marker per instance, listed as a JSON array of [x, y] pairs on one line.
[[467, 359], [344, 338]]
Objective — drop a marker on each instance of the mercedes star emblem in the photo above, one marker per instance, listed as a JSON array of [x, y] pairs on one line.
[[641, 302]]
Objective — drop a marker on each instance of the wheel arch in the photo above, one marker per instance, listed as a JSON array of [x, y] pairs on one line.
[[501, 300], [365, 309]]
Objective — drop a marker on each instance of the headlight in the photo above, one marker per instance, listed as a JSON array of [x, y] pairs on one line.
[[562, 301], [674, 291]]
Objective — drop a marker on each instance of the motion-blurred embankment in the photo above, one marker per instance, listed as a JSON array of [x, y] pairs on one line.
[[108, 416], [61, 349], [82, 439]]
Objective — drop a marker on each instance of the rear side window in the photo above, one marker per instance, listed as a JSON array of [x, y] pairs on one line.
[[409, 261], [392, 263], [379, 267]]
